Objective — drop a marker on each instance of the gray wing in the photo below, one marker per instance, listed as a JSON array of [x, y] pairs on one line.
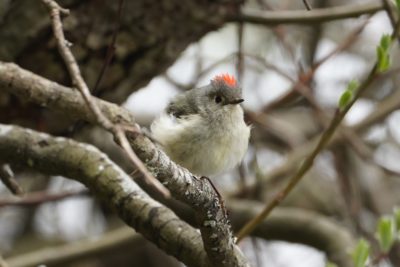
[[182, 105]]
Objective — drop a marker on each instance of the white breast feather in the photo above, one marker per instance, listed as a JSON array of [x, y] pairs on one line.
[[203, 149]]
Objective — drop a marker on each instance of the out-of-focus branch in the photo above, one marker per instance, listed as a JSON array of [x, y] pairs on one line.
[[387, 5], [309, 160], [307, 5], [288, 224], [111, 47], [306, 17], [299, 226], [37, 198], [86, 164], [3, 263], [390, 11], [322, 142], [7, 177], [68, 253], [382, 110], [300, 86], [214, 225]]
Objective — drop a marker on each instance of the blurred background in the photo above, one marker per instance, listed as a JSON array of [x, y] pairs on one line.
[[292, 77]]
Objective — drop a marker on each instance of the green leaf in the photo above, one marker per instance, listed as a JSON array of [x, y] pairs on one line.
[[361, 253], [382, 53], [384, 64], [386, 233], [345, 99], [386, 40], [353, 85], [348, 95]]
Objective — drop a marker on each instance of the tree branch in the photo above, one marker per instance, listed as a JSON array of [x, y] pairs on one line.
[[305, 17], [200, 195], [289, 224], [86, 164], [34, 88]]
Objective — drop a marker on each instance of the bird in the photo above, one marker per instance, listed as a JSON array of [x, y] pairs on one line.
[[203, 129]]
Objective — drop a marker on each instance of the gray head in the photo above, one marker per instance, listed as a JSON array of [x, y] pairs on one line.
[[221, 95], [224, 90]]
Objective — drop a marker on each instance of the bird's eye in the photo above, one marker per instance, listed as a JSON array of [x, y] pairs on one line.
[[218, 99]]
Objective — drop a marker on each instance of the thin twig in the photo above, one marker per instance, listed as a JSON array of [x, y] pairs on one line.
[[306, 76], [7, 177], [380, 112], [37, 198], [392, 16], [349, 188], [389, 11], [240, 63], [77, 79], [198, 66], [307, 5], [149, 178], [70, 62], [111, 48], [301, 85], [278, 31], [308, 163]]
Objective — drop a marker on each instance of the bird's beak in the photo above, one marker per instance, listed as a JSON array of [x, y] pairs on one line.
[[236, 101]]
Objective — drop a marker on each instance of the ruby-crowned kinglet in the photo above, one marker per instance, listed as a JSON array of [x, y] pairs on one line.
[[203, 129]]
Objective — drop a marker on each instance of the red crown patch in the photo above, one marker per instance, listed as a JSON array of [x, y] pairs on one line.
[[227, 79]]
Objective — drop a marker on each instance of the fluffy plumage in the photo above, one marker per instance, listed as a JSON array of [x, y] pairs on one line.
[[203, 129]]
